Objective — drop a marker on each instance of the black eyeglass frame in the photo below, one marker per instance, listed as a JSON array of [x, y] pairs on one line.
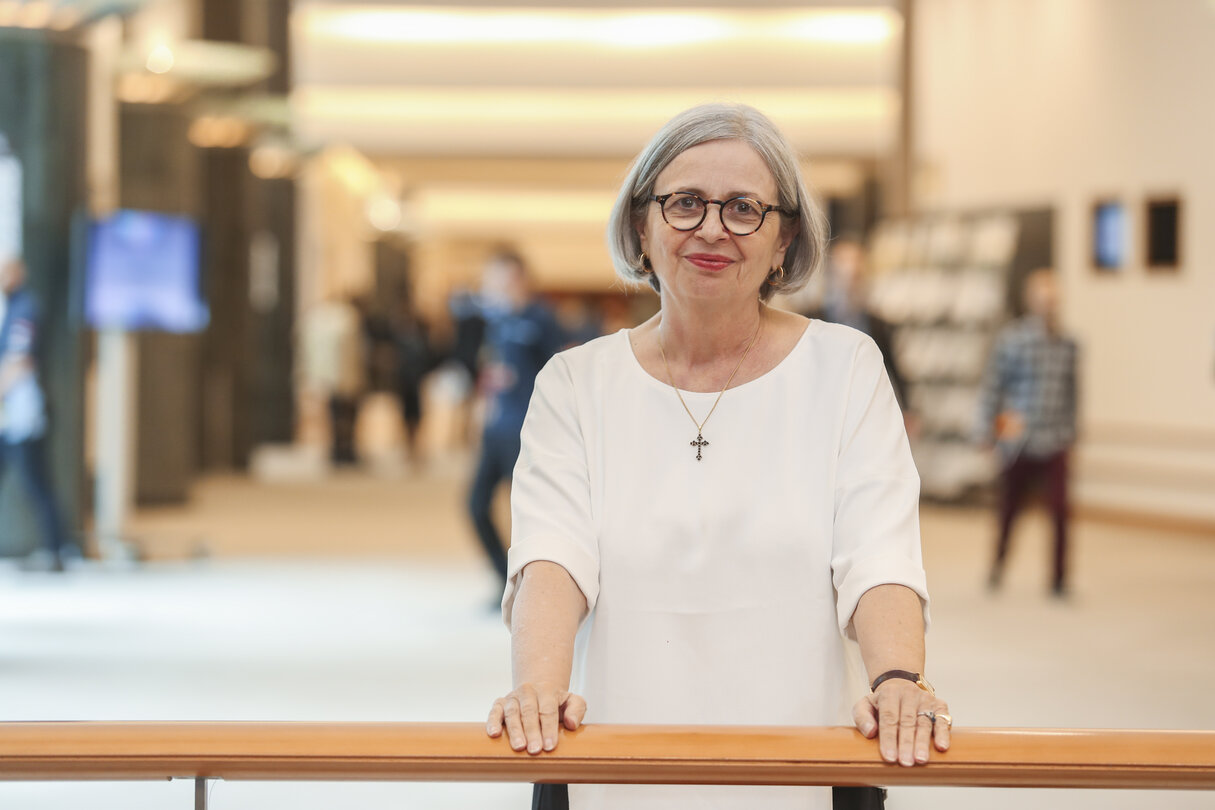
[[661, 199]]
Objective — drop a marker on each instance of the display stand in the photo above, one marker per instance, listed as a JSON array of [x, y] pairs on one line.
[[942, 283], [115, 439]]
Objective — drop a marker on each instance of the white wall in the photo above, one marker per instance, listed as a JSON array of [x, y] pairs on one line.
[[1058, 102]]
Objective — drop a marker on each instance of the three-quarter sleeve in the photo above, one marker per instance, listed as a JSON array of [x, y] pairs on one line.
[[876, 538], [550, 495]]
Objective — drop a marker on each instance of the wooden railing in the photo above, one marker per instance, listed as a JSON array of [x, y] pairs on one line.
[[595, 753], [598, 753]]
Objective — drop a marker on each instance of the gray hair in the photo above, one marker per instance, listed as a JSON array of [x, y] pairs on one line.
[[713, 122]]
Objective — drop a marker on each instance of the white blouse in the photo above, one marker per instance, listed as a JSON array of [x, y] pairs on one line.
[[721, 591]]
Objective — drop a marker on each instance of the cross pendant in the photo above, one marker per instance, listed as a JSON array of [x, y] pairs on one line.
[[698, 444]]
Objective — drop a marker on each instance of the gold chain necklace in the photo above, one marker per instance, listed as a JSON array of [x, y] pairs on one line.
[[700, 442]]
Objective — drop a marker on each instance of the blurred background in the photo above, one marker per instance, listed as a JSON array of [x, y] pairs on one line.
[[259, 236]]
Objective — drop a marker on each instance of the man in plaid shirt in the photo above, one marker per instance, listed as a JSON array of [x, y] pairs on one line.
[[1028, 412]]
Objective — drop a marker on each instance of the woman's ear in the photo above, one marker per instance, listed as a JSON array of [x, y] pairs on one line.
[[787, 234]]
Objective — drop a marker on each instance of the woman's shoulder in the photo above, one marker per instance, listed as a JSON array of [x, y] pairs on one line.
[[596, 355], [838, 340]]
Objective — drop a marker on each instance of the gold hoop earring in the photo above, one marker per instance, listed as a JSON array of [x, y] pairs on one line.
[[777, 276], [646, 267]]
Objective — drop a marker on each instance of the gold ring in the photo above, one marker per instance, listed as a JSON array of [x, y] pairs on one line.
[[947, 718]]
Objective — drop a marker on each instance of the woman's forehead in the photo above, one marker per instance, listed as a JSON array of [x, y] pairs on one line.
[[727, 167]]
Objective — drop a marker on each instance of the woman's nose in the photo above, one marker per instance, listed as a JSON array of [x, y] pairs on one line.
[[711, 229]]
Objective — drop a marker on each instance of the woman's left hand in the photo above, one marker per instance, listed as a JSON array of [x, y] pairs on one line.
[[906, 719]]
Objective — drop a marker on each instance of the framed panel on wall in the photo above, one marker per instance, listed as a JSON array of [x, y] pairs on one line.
[[1109, 236], [1162, 232]]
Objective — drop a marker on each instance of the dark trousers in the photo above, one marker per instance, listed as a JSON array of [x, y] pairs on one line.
[[557, 797], [343, 414], [499, 452], [1015, 483], [30, 460]]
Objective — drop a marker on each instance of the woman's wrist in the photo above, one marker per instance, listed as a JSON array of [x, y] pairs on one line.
[[905, 675]]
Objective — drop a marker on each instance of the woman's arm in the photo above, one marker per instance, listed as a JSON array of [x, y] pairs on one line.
[[547, 611], [889, 622]]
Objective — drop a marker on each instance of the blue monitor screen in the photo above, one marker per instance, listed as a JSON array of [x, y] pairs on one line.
[[1109, 236], [142, 273]]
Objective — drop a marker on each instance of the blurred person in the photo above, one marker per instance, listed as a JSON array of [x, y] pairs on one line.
[[335, 369], [23, 418], [1028, 414], [718, 580], [414, 360], [846, 301], [521, 335], [461, 361], [580, 320], [469, 331]]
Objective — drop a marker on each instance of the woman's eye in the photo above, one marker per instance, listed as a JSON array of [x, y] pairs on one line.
[[687, 203], [743, 207]]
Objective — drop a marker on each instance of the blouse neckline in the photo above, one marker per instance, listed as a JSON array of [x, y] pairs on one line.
[[636, 364]]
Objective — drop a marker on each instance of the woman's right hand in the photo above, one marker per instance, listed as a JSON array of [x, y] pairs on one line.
[[532, 714]]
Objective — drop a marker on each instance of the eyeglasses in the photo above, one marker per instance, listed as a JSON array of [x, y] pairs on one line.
[[685, 211]]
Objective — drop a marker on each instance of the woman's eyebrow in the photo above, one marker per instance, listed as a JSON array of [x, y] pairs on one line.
[[729, 195]]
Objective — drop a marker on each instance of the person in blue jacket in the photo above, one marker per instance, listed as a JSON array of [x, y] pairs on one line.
[[521, 334], [23, 421]]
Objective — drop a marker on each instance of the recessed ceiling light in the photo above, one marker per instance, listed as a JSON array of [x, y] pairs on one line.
[[622, 28]]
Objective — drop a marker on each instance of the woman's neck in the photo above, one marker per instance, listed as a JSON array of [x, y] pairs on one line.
[[691, 337]]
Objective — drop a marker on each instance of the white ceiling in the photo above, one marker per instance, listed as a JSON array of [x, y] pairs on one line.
[[493, 78]]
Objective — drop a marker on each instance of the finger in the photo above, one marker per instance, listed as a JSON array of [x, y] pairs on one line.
[[493, 725], [550, 720], [529, 707], [514, 724], [574, 709], [864, 715], [943, 728], [923, 735], [909, 727], [888, 726]]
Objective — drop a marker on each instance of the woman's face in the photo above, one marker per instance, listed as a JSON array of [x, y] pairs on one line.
[[709, 262]]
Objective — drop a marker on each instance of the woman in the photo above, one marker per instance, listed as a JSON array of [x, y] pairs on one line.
[[708, 507]]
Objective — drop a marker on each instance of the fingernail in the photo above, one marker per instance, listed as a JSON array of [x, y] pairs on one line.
[[921, 758], [516, 743], [888, 754], [907, 760], [549, 744], [533, 748]]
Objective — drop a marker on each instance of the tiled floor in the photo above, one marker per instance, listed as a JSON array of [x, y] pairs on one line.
[[364, 599]]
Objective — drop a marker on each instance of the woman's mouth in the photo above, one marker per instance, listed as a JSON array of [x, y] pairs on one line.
[[710, 261]]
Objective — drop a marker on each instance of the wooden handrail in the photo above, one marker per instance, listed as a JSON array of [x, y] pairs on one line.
[[598, 753]]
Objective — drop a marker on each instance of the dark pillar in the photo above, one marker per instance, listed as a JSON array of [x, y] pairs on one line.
[[159, 172], [43, 87], [272, 379], [247, 353]]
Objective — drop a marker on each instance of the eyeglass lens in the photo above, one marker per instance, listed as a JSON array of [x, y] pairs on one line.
[[685, 211]]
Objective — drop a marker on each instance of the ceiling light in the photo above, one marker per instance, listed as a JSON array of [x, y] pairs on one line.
[[160, 60], [657, 29], [272, 161], [845, 27], [384, 213], [623, 28]]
